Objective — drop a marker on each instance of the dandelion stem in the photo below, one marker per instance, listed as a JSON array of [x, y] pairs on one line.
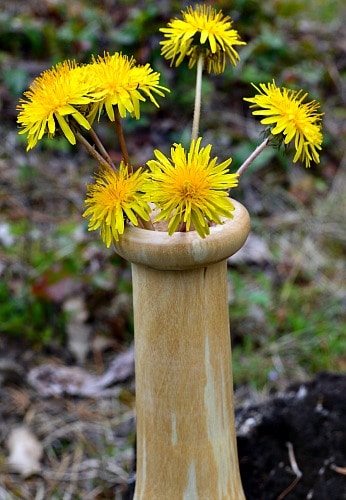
[[253, 155], [101, 147], [92, 150], [121, 138], [182, 227], [198, 99], [146, 224]]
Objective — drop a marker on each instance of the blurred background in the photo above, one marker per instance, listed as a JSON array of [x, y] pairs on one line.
[[64, 296]]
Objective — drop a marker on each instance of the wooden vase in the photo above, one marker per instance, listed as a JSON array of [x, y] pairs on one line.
[[186, 440]]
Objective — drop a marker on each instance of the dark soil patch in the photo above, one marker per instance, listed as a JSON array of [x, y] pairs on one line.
[[304, 428], [309, 419]]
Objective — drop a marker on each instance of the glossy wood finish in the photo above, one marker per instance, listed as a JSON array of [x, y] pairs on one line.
[[186, 444]]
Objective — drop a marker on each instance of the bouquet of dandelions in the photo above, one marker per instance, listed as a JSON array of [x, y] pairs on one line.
[[188, 190]]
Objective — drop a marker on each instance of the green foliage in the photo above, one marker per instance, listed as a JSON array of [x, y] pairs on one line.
[[57, 264], [297, 322], [15, 80], [302, 327], [23, 316], [138, 27]]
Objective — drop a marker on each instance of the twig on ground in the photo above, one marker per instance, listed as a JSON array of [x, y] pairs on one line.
[[339, 470], [295, 469]]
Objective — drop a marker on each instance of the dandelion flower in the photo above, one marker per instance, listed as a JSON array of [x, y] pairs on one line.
[[113, 198], [191, 188], [202, 31], [287, 114], [118, 82], [147, 81], [51, 99]]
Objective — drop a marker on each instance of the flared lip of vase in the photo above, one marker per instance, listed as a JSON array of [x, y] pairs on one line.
[[185, 250]]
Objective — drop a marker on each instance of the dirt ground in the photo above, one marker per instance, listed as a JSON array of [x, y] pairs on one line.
[[86, 442], [293, 445]]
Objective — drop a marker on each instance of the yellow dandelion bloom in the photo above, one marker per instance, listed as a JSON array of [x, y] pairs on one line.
[[204, 31], [287, 114], [119, 82], [191, 188], [147, 82], [113, 198], [53, 97], [111, 76]]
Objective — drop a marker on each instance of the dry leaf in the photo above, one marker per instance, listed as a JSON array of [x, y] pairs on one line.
[[51, 380], [25, 451], [254, 251], [77, 329]]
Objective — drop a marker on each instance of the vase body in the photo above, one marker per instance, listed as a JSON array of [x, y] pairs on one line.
[[186, 440]]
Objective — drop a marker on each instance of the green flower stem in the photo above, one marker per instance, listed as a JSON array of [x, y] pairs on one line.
[[182, 227], [101, 148], [198, 98], [146, 224], [253, 155], [92, 150], [121, 137]]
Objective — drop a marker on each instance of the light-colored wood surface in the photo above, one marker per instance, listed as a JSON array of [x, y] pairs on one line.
[[186, 444], [185, 250]]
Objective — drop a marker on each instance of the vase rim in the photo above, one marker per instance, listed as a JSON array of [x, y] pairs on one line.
[[185, 250]]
